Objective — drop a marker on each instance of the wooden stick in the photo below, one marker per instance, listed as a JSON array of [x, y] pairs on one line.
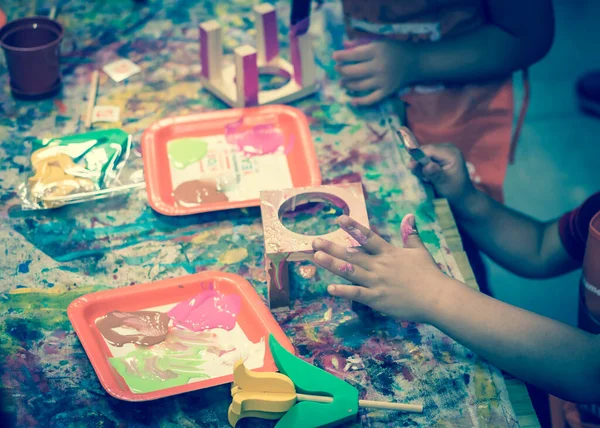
[[414, 408], [52, 14], [91, 99]]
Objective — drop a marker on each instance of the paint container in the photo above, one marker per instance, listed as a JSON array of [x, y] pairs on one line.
[[32, 50]]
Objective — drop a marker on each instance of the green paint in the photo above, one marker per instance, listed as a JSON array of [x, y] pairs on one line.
[[157, 368], [28, 317], [429, 237], [354, 129], [185, 151], [372, 175]]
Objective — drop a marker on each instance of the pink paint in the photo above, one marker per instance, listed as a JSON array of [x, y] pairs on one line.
[[296, 31], [259, 140], [250, 80], [209, 309], [356, 234], [407, 227], [270, 35], [204, 53], [346, 268]]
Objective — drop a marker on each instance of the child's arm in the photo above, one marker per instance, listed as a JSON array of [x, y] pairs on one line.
[[405, 283], [517, 242], [517, 35]]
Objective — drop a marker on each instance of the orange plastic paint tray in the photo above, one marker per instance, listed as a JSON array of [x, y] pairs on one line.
[[223, 159], [178, 335]]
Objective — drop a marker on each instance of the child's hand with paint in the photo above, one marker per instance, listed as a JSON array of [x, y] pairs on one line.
[[400, 282], [447, 172], [377, 68]]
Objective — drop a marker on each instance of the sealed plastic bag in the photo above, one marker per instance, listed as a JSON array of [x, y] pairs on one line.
[[74, 168]]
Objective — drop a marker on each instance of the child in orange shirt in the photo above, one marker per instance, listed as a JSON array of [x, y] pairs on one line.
[[406, 283], [454, 60]]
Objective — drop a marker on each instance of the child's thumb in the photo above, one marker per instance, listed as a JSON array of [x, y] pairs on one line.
[[410, 235]]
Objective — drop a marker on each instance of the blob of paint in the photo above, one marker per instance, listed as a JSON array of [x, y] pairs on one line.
[[145, 370], [259, 140], [195, 192], [185, 151], [209, 309], [147, 327]]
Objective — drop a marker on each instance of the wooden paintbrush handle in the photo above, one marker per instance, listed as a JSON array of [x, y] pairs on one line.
[[414, 408]]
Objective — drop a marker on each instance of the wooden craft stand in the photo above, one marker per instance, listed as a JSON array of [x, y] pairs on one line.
[[237, 84], [282, 245]]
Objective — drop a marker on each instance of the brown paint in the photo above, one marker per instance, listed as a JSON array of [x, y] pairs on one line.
[[196, 192], [148, 327]]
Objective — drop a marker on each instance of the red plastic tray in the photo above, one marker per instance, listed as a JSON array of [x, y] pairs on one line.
[[254, 319], [301, 158]]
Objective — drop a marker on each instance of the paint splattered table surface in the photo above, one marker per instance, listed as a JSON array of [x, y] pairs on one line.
[[50, 258]]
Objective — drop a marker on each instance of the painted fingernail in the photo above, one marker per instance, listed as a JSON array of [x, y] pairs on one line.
[[346, 268], [407, 227]]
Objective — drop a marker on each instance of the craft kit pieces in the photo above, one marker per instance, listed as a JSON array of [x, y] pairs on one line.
[[237, 84], [301, 396], [283, 245]]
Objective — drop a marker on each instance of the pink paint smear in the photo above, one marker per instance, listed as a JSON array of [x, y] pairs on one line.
[[356, 234], [406, 228], [260, 140], [209, 309], [346, 268]]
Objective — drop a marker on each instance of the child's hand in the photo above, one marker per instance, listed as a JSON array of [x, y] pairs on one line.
[[400, 282], [447, 171], [380, 68]]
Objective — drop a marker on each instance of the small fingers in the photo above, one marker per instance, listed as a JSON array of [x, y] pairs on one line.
[[350, 254], [361, 85], [356, 71], [370, 99], [432, 171], [352, 292], [371, 242], [351, 272], [356, 52]]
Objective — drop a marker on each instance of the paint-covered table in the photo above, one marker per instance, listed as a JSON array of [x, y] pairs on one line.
[[50, 258]]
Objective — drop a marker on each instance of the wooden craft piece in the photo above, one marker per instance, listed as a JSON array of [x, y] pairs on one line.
[[282, 245], [267, 43], [234, 83], [301, 396]]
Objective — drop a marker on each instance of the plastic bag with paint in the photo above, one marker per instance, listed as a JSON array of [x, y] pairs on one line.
[[75, 168]]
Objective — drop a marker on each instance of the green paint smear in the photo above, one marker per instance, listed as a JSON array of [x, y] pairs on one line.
[[185, 151], [429, 237], [27, 318], [149, 369]]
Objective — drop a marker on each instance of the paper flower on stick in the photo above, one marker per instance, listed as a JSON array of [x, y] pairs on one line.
[[301, 396]]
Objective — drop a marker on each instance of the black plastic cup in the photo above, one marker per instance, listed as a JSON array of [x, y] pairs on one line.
[[32, 50]]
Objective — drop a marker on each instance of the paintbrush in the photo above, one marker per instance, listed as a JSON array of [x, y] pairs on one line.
[[406, 138]]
